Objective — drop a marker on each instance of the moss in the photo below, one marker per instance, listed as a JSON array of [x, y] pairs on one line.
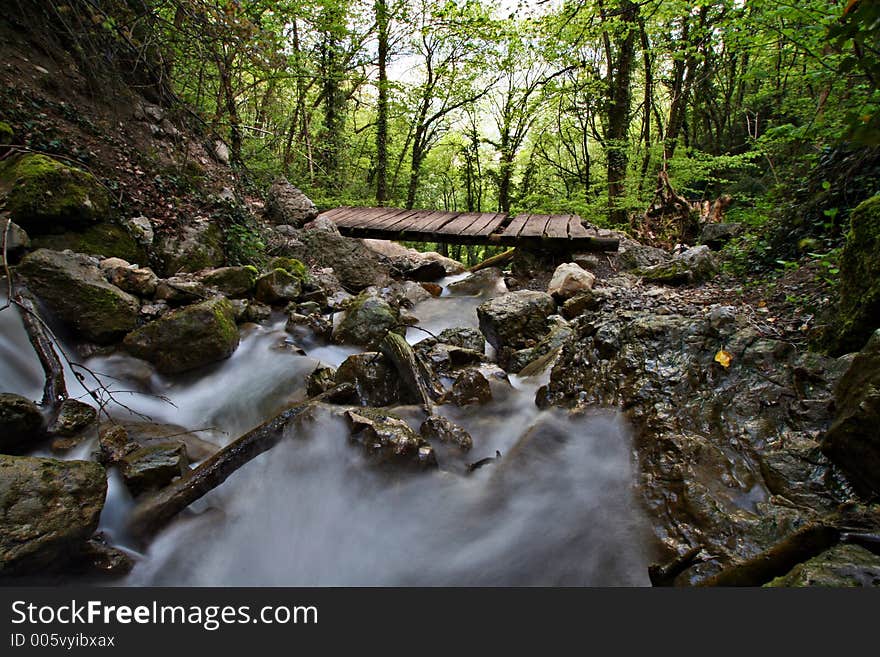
[[45, 195], [106, 239], [290, 265], [7, 134], [859, 309]]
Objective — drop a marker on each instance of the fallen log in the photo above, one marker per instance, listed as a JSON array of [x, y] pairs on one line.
[[665, 574], [494, 261], [418, 378], [156, 511], [54, 387]]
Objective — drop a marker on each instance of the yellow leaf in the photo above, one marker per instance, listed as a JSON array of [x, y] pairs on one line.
[[723, 358]]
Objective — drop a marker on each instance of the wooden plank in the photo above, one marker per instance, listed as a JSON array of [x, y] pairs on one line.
[[441, 219], [535, 225], [346, 215], [361, 216], [512, 231], [329, 214], [384, 219], [557, 227], [461, 224], [402, 221], [487, 223]]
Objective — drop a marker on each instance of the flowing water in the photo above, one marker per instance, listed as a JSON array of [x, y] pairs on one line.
[[559, 508]]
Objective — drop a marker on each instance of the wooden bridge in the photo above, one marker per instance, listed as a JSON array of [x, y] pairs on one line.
[[564, 231]]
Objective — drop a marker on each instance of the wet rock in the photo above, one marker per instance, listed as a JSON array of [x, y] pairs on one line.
[[257, 312], [437, 427], [278, 286], [154, 467], [182, 289], [44, 195], [568, 280], [151, 311], [48, 510], [464, 337], [315, 323], [239, 309], [76, 291], [99, 559], [715, 236], [585, 301], [412, 264], [859, 306], [367, 319], [285, 204], [113, 444], [471, 387], [388, 439], [445, 357], [516, 320], [140, 281], [148, 434], [512, 283], [187, 338], [843, 565], [17, 240], [409, 293], [231, 282], [73, 416], [853, 441], [488, 281], [321, 380], [558, 336], [21, 422], [432, 288], [374, 378], [191, 248]]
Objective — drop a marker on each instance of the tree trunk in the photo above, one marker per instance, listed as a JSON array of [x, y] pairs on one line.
[[382, 106]]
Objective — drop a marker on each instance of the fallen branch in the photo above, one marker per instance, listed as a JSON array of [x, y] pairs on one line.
[[54, 388], [665, 574], [156, 511], [416, 376], [500, 259]]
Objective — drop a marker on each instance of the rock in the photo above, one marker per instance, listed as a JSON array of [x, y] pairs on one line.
[[191, 248], [633, 255], [301, 326], [437, 427], [367, 319], [858, 312], [322, 223], [588, 261], [516, 320], [466, 338], [17, 240], [716, 235], [107, 265], [558, 336], [694, 265], [113, 443], [374, 378], [73, 416], [285, 204], [257, 312], [98, 558], [151, 311], [135, 280], [7, 136], [75, 290], [239, 309], [853, 441], [221, 152], [141, 229], [321, 380], [278, 286], [471, 387], [432, 288], [100, 240], [187, 338], [21, 422], [413, 264], [842, 565], [409, 293], [232, 282], [356, 266], [488, 282], [150, 434], [46, 196], [568, 280], [154, 467], [182, 289], [388, 439], [585, 301], [48, 510]]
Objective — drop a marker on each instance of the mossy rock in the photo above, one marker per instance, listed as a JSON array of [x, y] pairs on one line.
[[106, 240], [191, 248], [21, 422], [277, 286], [843, 565], [77, 293], [7, 134], [233, 282], [367, 319], [859, 309], [291, 266], [187, 338], [154, 466], [47, 196]]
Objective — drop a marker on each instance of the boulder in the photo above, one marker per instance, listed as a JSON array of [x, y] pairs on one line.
[[568, 280], [285, 204], [47, 196], [191, 248], [187, 338], [102, 240], [853, 441], [154, 467], [585, 301], [556, 338], [77, 292], [182, 289], [632, 255], [471, 387], [17, 240], [388, 439], [232, 282], [48, 510], [415, 265], [373, 377], [858, 314], [320, 380], [141, 281], [367, 319], [278, 286], [356, 266], [694, 265], [141, 229], [437, 427], [113, 444], [21, 422], [73, 416], [716, 235], [516, 320], [842, 565], [488, 281]]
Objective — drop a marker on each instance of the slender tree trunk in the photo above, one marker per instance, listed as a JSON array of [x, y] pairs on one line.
[[382, 106]]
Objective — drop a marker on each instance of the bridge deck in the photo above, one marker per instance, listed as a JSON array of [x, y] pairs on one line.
[[559, 230]]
